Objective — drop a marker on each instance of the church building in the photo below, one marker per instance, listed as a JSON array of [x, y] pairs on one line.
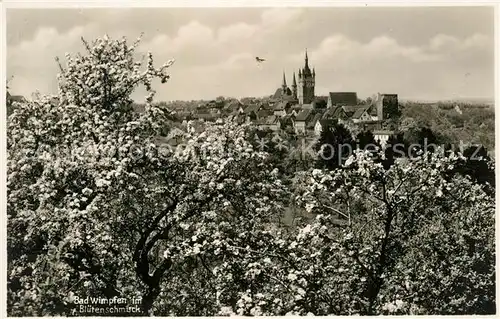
[[284, 93], [303, 93], [307, 80]]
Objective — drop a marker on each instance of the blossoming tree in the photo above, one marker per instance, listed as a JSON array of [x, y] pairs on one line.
[[102, 210], [417, 240], [98, 206]]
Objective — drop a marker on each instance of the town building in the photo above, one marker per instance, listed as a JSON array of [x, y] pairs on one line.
[[270, 122], [307, 82], [322, 125], [300, 121], [342, 99], [300, 93], [383, 102], [297, 109]]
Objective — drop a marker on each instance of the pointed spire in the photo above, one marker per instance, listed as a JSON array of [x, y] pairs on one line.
[[314, 72], [294, 82], [306, 70], [284, 80], [307, 59], [300, 73]]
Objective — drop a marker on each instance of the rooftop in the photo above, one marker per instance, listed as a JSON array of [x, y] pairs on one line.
[[343, 98]]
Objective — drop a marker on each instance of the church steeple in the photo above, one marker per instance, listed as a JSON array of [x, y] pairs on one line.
[[283, 85], [307, 60], [305, 92], [306, 71], [294, 87]]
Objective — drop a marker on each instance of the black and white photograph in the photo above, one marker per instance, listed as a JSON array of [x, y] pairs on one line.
[[231, 160]]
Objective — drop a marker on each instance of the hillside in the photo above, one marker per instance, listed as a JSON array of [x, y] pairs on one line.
[[476, 124]]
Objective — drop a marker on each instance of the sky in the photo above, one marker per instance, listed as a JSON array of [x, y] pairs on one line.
[[424, 53]]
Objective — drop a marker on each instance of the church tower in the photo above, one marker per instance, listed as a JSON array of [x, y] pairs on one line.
[[294, 87], [306, 83], [284, 87]]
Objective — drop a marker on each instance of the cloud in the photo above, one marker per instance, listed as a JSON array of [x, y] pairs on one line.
[[239, 36], [340, 51], [239, 61], [236, 32], [45, 43], [389, 48], [277, 17], [434, 69], [445, 43], [192, 36], [478, 41], [442, 41], [219, 59], [32, 62]]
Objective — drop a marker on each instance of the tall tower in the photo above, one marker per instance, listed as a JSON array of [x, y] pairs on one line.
[[294, 87], [284, 87], [306, 83]]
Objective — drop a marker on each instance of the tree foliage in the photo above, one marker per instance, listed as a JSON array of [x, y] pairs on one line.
[[414, 237], [99, 206], [334, 146]]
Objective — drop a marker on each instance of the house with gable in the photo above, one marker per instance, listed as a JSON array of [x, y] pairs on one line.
[[281, 108], [301, 119], [270, 122], [251, 112], [311, 124], [365, 113], [231, 106], [335, 113], [322, 125]]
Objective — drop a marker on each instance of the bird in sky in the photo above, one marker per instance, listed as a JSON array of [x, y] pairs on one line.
[[259, 59]]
